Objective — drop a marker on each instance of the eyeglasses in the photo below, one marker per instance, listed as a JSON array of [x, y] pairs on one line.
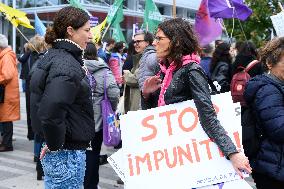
[[138, 41], [158, 38]]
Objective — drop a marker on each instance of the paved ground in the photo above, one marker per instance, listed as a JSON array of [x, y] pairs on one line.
[[17, 169]]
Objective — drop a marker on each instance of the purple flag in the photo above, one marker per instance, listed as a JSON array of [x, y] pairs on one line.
[[228, 9], [207, 28]]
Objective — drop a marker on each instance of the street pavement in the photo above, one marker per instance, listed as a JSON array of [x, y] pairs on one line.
[[17, 169]]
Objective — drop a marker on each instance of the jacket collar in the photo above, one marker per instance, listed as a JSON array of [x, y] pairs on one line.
[[71, 47]]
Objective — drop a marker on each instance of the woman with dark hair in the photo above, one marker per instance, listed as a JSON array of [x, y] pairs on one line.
[[100, 71], [221, 67], [115, 62], [61, 95], [246, 54], [183, 79], [264, 94], [128, 64]]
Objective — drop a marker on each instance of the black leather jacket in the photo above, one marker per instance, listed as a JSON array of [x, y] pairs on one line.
[[190, 82], [61, 104]]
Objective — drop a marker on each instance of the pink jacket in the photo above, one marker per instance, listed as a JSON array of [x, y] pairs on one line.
[[115, 68]]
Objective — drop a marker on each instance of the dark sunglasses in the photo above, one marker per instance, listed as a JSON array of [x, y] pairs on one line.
[[138, 41]]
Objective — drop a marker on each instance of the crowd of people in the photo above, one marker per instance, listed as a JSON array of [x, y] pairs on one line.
[[67, 76]]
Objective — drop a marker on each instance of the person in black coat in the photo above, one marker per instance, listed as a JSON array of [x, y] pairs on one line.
[[61, 100], [246, 54], [265, 94], [35, 46], [221, 66]]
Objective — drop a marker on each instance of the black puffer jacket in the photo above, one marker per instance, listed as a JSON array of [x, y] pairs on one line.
[[190, 82], [61, 98]]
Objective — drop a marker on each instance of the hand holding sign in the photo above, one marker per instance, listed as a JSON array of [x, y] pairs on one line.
[[240, 162]]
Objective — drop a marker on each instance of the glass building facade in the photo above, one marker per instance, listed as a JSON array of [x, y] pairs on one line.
[[133, 13]]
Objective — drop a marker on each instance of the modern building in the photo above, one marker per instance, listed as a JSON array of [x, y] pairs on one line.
[[133, 13]]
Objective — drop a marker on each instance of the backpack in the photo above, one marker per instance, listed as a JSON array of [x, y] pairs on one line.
[[252, 134], [239, 82]]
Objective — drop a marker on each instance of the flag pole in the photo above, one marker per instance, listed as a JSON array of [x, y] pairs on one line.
[[26, 39], [105, 31], [147, 26], [174, 9]]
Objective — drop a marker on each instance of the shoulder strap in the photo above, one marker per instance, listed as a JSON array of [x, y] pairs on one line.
[[105, 90], [251, 64]]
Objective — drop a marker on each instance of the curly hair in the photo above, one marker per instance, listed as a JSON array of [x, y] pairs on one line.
[[272, 52], [37, 43], [221, 54], [183, 40], [67, 16]]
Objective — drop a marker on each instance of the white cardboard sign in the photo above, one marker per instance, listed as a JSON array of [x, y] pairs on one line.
[[166, 147], [278, 23]]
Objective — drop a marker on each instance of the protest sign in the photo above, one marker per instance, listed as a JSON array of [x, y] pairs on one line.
[[236, 184], [117, 163], [166, 147], [277, 21]]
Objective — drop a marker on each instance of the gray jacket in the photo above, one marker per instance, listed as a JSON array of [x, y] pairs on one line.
[[148, 65], [97, 69]]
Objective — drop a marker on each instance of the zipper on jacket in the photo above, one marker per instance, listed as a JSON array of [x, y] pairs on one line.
[[281, 158]]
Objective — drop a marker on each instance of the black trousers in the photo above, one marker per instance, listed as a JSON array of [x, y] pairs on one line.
[[266, 182], [30, 134], [7, 133], [91, 179]]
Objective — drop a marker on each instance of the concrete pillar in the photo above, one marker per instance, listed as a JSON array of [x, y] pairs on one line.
[[14, 32], [133, 5], [168, 10], [4, 28]]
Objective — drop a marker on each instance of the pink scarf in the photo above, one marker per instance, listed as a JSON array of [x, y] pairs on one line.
[[169, 74]]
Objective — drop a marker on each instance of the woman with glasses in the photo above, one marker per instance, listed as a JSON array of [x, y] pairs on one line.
[[181, 79]]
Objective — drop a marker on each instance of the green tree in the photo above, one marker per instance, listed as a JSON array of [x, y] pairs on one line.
[[258, 26]]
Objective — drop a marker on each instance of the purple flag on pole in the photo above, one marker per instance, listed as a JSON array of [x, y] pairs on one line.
[[207, 28], [228, 9]]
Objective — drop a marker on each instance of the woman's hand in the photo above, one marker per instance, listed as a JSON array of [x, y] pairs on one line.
[[151, 85], [240, 162], [44, 150]]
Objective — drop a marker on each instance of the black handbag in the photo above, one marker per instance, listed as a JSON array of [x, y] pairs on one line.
[[2, 93]]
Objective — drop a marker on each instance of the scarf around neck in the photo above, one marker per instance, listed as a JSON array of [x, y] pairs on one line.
[[169, 74]]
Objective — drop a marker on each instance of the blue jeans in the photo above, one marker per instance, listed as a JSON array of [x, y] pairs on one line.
[[64, 169]]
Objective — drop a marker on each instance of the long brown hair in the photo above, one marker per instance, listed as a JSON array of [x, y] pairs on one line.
[[183, 40]]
